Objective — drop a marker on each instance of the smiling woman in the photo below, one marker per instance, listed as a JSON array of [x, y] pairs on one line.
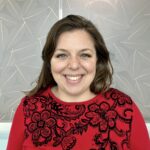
[[73, 66], [73, 101]]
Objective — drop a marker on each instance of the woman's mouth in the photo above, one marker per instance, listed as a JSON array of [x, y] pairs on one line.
[[73, 78]]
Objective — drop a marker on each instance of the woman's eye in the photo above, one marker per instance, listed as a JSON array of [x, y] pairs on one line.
[[61, 56], [86, 55]]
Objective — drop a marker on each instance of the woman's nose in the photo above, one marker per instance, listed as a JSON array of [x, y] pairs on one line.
[[74, 63]]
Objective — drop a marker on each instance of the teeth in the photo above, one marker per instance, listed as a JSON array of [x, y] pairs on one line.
[[74, 78]]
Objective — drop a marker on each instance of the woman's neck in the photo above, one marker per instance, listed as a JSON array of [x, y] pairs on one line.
[[66, 97]]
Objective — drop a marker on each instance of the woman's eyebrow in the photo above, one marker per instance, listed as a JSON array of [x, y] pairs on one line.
[[86, 49], [60, 49]]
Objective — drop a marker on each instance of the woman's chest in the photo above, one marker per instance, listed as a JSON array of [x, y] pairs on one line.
[[96, 126]]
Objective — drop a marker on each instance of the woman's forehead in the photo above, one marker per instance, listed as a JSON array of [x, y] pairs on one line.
[[78, 39]]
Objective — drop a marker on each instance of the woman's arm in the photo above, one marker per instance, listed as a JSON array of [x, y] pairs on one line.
[[16, 136], [139, 133]]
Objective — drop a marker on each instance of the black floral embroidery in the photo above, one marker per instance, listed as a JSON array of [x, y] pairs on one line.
[[47, 120], [118, 96], [41, 127], [102, 116], [29, 106]]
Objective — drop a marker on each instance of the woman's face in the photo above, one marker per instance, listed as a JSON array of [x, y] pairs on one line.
[[73, 64]]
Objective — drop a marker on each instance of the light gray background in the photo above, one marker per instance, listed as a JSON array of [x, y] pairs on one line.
[[24, 24]]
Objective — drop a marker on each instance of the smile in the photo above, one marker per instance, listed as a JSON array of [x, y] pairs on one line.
[[73, 78]]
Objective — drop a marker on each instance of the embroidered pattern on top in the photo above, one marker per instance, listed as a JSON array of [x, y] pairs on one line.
[[47, 120]]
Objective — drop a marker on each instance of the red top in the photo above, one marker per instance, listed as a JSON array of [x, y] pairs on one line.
[[107, 122]]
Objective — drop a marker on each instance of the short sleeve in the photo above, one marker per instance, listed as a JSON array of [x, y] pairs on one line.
[[16, 136], [139, 133]]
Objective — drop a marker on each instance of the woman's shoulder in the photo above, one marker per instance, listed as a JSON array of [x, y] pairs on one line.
[[117, 95], [41, 95]]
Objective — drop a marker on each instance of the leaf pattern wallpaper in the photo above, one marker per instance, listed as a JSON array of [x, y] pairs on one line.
[[24, 24]]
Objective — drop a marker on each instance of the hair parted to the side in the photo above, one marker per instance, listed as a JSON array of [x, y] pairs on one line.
[[104, 69]]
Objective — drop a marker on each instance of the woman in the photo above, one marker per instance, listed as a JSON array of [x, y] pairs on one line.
[[72, 106]]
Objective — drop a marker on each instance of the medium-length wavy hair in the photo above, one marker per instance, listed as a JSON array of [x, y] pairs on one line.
[[104, 69]]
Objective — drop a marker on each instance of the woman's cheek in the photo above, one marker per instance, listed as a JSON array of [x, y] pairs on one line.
[[58, 66], [90, 66]]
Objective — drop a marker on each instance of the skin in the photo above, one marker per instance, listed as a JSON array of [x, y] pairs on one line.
[[73, 66]]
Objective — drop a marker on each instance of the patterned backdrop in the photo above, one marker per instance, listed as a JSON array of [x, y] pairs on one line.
[[24, 25]]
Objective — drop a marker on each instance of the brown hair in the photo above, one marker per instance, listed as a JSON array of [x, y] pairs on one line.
[[104, 70]]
